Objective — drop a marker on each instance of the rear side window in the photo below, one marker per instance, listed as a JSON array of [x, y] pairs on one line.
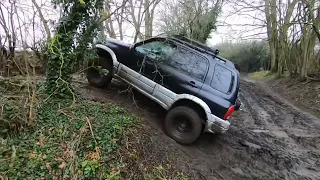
[[189, 63], [222, 79]]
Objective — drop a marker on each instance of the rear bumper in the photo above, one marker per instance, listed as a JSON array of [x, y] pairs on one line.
[[215, 124]]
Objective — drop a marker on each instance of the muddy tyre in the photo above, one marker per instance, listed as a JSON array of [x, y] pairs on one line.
[[183, 124], [95, 77]]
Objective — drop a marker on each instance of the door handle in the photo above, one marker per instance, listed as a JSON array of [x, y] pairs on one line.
[[192, 83]]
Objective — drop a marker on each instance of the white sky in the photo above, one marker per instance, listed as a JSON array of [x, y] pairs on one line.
[[26, 27], [238, 24], [234, 24]]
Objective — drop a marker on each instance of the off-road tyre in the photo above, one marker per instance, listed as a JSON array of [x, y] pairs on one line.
[[183, 134]]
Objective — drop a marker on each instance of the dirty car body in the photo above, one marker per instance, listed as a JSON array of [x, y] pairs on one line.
[[177, 71]]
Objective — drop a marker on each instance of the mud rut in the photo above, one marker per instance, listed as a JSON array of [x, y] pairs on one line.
[[269, 138]]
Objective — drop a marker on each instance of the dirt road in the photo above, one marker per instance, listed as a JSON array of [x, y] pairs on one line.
[[269, 138]]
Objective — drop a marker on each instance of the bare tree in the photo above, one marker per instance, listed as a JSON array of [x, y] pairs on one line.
[[43, 20], [149, 8], [25, 25], [134, 14], [292, 28], [193, 18]]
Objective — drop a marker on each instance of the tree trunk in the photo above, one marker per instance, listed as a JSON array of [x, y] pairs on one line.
[[43, 20], [108, 22], [272, 32]]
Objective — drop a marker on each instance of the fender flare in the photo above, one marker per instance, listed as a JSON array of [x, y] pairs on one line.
[[112, 54], [194, 99]]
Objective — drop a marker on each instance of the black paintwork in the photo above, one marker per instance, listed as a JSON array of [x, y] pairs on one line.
[[219, 102]]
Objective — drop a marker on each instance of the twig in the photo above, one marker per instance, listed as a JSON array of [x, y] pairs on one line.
[[13, 156], [33, 96], [88, 121], [64, 113]]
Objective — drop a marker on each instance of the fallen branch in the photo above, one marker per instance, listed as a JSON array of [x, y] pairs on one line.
[[312, 79], [88, 121]]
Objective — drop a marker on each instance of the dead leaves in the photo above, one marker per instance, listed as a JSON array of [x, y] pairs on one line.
[[115, 140], [68, 153], [94, 155], [62, 165], [48, 167], [62, 162], [32, 154], [41, 140]]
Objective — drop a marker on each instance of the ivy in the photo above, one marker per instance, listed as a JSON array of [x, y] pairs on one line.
[[68, 49]]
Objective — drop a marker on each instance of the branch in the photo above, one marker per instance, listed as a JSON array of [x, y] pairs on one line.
[[43, 20], [109, 15]]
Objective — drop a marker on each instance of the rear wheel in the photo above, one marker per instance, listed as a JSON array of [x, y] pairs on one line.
[[183, 124], [99, 74]]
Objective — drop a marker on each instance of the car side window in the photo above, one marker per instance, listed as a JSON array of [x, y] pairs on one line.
[[222, 79], [157, 50], [190, 63]]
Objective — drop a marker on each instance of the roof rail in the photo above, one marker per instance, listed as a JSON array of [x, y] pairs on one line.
[[196, 44]]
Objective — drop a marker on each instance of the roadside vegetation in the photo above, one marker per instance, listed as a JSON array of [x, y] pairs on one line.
[[285, 39], [248, 56], [68, 139], [47, 130], [262, 75]]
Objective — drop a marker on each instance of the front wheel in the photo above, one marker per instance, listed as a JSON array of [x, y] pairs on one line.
[[99, 74], [183, 124]]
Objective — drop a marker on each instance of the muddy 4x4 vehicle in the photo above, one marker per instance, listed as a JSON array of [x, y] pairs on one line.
[[197, 87]]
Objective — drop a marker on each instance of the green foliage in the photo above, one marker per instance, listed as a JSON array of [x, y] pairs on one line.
[[89, 167], [77, 141], [69, 46], [102, 71], [14, 104], [192, 18], [250, 56], [202, 28], [262, 75], [70, 139]]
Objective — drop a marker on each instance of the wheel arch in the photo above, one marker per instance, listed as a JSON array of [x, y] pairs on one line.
[[193, 102], [106, 51]]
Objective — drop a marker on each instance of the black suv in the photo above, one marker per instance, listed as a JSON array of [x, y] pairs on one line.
[[198, 88]]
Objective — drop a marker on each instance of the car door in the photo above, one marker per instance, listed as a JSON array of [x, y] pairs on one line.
[[145, 54], [133, 72], [185, 71], [152, 55]]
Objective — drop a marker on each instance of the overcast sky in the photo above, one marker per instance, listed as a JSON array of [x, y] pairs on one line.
[[31, 28], [237, 24], [233, 24]]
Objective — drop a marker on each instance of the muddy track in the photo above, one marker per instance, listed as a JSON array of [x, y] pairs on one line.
[[269, 138]]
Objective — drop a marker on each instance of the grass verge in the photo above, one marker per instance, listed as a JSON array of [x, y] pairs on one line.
[[262, 75], [74, 140], [67, 141]]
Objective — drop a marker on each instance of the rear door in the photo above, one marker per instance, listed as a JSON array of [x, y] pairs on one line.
[[185, 71]]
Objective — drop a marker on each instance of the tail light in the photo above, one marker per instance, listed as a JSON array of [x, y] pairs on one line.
[[229, 112]]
